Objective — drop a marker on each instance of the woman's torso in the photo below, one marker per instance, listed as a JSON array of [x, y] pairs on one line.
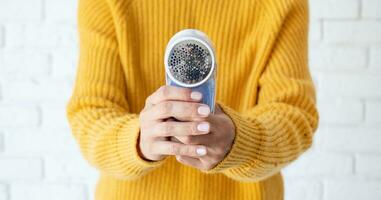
[[240, 32]]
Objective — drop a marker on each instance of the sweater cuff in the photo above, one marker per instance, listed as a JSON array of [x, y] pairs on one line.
[[242, 147], [128, 141]]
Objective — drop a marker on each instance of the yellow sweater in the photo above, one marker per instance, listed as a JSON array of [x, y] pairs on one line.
[[263, 84]]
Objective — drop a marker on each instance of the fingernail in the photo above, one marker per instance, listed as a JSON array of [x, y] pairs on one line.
[[203, 110], [201, 151], [196, 95], [203, 127]]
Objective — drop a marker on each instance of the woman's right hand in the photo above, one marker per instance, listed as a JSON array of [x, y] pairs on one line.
[[170, 102]]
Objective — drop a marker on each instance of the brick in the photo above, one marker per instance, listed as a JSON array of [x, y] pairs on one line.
[[315, 32], [64, 63], [313, 164], [352, 190], [340, 111], [14, 35], [54, 116], [49, 142], [52, 191], [1, 142], [334, 9], [12, 115], [20, 10], [350, 85], [1, 92], [43, 90], [369, 165], [50, 35], [1, 36], [20, 169], [352, 32], [333, 58], [351, 139], [371, 9], [373, 112], [375, 59], [57, 10], [298, 189], [23, 64], [3, 192], [69, 167]]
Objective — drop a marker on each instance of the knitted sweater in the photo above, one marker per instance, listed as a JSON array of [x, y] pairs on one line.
[[263, 85]]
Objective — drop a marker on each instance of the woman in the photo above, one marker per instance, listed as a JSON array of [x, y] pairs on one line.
[[265, 116]]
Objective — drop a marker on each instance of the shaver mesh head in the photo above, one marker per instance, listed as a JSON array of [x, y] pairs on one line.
[[190, 62]]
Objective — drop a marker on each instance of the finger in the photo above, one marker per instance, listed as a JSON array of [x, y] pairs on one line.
[[189, 161], [174, 139], [206, 139], [173, 128], [218, 109], [214, 121], [174, 148], [182, 111], [172, 93]]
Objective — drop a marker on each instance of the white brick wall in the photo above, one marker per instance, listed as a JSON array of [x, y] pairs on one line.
[[1, 36], [19, 168], [352, 189], [3, 192], [372, 9], [369, 165], [38, 54], [360, 32], [21, 10], [375, 59], [334, 9], [48, 191]]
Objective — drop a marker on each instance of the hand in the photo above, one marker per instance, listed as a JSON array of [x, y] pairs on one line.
[[156, 130], [218, 142]]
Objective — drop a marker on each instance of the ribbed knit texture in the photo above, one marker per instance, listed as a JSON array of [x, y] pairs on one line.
[[263, 84]]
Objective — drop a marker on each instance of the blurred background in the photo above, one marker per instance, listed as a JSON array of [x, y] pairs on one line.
[[39, 159]]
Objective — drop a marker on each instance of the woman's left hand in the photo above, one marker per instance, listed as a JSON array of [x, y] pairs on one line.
[[218, 142]]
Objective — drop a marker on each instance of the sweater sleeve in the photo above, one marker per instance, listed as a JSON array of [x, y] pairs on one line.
[[280, 127], [98, 110]]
